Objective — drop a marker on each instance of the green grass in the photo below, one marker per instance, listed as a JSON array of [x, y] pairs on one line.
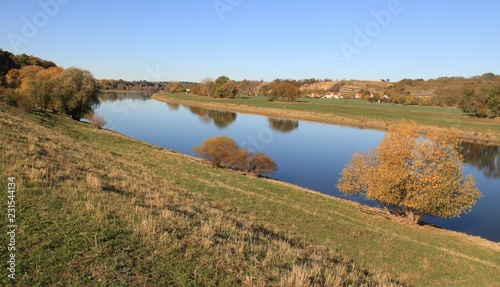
[[98, 208], [352, 112]]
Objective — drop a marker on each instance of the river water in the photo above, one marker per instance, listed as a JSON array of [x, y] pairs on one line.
[[308, 154]]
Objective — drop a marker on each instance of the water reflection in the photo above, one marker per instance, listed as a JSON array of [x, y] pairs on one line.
[[221, 119], [173, 106], [282, 125], [118, 96], [485, 158]]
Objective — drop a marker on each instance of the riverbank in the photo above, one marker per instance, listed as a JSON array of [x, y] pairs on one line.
[[96, 207], [353, 113]]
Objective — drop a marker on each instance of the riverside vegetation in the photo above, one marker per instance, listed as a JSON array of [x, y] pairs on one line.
[[99, 208]]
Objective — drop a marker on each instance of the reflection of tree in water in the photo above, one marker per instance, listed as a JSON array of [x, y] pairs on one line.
[[221, 119], [483, 157], [282, 125], [113, 97], [173, 106]]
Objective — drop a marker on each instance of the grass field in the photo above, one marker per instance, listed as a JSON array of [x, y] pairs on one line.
[[95, 208], [357, 113]]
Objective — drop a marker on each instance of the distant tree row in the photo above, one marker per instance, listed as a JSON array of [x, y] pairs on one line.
[[223, 87], [222, 151], [172, 86]]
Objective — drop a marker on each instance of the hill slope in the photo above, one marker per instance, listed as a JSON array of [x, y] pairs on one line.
[[97, 208]]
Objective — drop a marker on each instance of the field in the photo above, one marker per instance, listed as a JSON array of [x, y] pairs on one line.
[[97, 208], [356, 113]]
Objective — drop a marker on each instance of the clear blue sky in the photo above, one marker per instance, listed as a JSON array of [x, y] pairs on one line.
[[190, 40]]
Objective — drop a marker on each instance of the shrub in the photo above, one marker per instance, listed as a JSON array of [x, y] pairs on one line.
[[222, 151], [97, 120], [260, 163], [218, 150]]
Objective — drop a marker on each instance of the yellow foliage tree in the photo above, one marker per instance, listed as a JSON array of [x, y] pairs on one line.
[[413, 176]]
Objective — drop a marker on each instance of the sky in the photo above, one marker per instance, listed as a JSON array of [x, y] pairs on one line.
[[188, 40]]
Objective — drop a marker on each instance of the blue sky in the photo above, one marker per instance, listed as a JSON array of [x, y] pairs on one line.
[[243, 39]]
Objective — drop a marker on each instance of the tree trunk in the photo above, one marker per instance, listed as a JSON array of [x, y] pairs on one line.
[[412, 217]]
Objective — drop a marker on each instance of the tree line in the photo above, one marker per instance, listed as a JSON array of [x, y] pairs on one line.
[[224, 87], [31, 83]]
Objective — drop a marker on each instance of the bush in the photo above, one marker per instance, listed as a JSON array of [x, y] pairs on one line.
[[260, 163], [222, 151], [97, 120]]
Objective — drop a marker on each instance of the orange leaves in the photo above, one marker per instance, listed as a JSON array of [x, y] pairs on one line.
[[411, 173], [222, 151]]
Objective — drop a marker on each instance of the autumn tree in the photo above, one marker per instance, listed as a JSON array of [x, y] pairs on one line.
[[483, 101], [229, 90], [283, 91], [76, 92], [40, 88], [413, 176], [175, 87], [207, 87]]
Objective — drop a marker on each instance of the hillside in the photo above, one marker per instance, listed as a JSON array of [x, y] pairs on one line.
[[97, 208]]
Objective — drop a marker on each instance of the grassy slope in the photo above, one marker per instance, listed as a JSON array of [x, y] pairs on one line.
[[97, 208], [356, 113]]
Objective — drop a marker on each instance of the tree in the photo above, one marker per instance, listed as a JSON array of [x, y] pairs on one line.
[[229, 90], [76, 92], [483, 101], [207, 88], [40, 88], [175, 87], [413, 176], [283, 91], [219, 82]]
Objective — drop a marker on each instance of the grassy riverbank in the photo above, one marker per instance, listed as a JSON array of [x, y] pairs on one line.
[[356, 113], [97, 208]]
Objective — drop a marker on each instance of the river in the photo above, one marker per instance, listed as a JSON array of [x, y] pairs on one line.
[[308, 154]]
